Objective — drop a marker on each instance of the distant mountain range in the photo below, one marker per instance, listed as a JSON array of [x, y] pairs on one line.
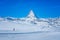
[[30, 23]]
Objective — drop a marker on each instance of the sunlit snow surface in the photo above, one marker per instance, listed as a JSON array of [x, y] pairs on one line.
[[29, 28], [31, 36]]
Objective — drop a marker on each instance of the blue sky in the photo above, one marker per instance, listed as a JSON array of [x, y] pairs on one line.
[[21, 8]]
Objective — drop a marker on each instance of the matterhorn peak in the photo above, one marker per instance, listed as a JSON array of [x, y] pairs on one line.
[[31, 15]]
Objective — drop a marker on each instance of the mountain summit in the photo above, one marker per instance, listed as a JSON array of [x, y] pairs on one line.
[[31, 16], [30, 23]]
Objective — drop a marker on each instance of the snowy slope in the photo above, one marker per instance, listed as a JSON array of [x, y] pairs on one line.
[[31, 36], [29, 24]]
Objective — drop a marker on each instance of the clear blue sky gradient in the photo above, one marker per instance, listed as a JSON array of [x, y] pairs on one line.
[[21, 8]]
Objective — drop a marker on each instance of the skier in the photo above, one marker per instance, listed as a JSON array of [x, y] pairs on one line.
[[13, 29]]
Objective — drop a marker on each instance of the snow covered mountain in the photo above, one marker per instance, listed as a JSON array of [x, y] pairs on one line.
[[29, 24]]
